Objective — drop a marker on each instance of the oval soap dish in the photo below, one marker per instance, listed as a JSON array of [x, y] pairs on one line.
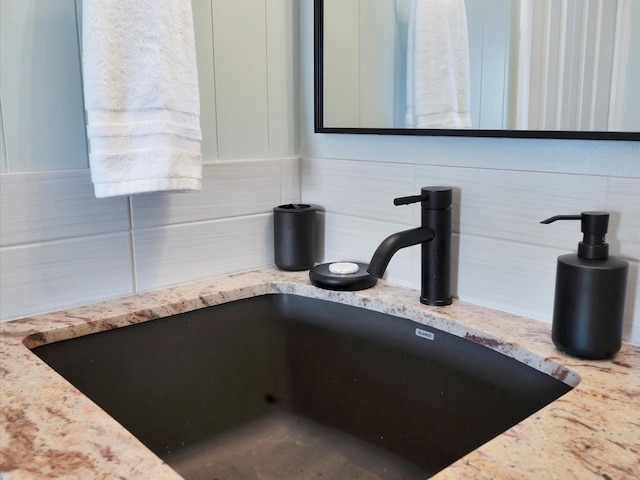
[[330, 277]]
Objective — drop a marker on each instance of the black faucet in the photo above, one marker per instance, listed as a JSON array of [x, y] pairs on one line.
[[435, 237]]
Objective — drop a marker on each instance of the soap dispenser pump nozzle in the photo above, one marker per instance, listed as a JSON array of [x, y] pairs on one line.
[[594, 227]]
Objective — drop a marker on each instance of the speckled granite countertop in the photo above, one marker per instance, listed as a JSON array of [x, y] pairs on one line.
[[49, 429]]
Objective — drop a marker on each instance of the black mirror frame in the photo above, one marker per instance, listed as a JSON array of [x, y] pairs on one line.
[[319, 127]]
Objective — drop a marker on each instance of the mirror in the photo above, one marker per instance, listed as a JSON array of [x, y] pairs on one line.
[[536, 68]]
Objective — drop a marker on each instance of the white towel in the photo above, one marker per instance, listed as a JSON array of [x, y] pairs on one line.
[[141, 96], [438, 65]]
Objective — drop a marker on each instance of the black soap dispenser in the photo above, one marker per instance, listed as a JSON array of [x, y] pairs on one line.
[[588, 307]]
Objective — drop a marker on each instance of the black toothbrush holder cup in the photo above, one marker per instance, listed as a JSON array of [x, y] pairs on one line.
[[294, 236]]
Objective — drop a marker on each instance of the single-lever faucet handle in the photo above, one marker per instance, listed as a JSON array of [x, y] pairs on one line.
[[411, 199]]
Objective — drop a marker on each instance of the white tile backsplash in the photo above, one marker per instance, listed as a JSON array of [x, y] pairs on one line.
[[41, 277], [43, 206], [632, 304], [181, 253], [61, 247], [229, 189], [503, 257], [290, 181], [358, 189], [623, 202], [348, 238], [512, 276], [509, 205]]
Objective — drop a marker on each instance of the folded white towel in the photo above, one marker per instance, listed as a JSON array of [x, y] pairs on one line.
[[141, 96], [438, 65]]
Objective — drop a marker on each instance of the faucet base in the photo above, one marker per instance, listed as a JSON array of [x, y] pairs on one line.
[[436, 303]]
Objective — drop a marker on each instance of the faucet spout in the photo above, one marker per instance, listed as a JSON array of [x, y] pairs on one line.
[[395, 242]]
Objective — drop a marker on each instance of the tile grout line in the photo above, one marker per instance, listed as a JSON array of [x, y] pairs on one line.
[[132, 250]]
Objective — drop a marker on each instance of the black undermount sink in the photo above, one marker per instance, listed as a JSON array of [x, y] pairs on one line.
[[287, 387]]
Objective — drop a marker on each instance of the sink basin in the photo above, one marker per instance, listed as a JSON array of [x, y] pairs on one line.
[[282, 386]]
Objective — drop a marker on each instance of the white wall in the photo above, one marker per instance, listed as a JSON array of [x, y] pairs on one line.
[[41, 86], [248, 87], [60, 246], [504, 187]]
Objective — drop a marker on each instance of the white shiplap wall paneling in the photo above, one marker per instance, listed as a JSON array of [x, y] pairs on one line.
[[240, 60], [341, 63], [475, 10], [496, 44], [40, 85], [402, 10], [625, 69], [365, 62], [570, 46], [203, 27], [282, 78], [377, 62], [490, 44], [600, 97]]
